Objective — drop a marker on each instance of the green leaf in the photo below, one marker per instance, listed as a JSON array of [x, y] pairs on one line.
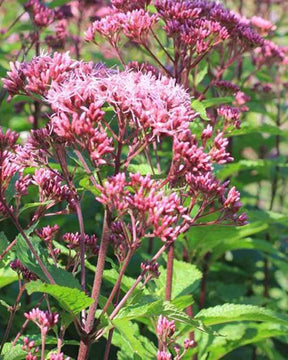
[[3, 242], [56, 3], [217, 101], [12, 353], [199, 107], [201, 72], [248, 244], [185, 279], [147, 307], [7, 276], [86, 183], [142, 169], [71, 300], [112, 275], [61, 276], [128, 338], [35, 205], [232, 312], [238, 335], [200, 239]]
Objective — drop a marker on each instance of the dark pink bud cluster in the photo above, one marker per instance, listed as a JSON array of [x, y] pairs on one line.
[[227, 86], [17, 266], [9, 168], [41, 14], [47, 233], [165, 328], [57, 41], [120, 237], [188, 344], [218, 152], [208, 22], [74, 240], [143, 67], [22, 184], [31, 349], [129, 5], [153, 208], [189, 157], [230, 114], [269, 53], [202, 34], [8, 139], [151, 268], [233, 200], [45, 320], [50, 186]]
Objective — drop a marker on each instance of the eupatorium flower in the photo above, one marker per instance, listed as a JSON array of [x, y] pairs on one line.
[[165, 328], [45, 320]]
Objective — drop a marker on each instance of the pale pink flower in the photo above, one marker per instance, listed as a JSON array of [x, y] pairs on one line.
[[218, 152], [163, 355], [43, 319]]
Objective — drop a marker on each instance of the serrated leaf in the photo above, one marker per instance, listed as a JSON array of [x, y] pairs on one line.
[[202, 239], [148, 307], [238, 335], [3, 242], [12, 353], [61, 276], [232, 312], [132, 343], [71, 300]]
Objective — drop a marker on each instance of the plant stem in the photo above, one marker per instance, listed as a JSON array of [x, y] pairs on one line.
[[28, 242], [11, 317], [9, 247], [169, 272], [118, 282], [140, 277], [82, 244], [85, 343], [43, 341], [203, 283]]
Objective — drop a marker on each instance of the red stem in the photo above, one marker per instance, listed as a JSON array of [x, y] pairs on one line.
[[85, 343], [169, 275]]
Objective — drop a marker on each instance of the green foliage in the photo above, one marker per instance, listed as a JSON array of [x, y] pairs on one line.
[[71, 300]]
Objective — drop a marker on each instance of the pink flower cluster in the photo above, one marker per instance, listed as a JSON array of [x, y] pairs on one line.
[[50, 186], [165, 328], [16, 265], [30, 348], [152, 208], [41, 14], [202, 24], [74, 239], [47, 233], [43, 319], [135, 24]]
